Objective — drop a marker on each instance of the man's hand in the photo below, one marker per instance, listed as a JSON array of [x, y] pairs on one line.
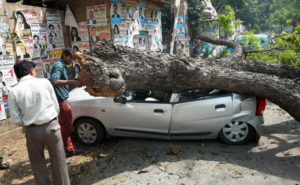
[[76, 83]]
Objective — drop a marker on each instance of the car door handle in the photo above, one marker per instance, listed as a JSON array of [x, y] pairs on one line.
[[158, 111], [220, 106]]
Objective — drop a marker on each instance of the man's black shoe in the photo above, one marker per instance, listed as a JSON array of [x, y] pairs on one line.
[[78, 151]]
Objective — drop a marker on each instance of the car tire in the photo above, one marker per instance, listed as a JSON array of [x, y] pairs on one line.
[[236, 132], [89, 131]]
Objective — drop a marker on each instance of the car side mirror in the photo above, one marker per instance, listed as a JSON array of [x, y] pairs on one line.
[[120, 99]]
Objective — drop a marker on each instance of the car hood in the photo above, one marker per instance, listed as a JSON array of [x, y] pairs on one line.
[[80, 93]]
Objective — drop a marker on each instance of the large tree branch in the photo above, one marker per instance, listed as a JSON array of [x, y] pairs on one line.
[[109, 71]]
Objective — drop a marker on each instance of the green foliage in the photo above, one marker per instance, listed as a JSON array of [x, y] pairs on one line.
[[250, 41], [225, 21], [285, 50]]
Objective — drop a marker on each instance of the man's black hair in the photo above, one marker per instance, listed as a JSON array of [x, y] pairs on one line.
[[36, 36], [18, 42], [68, 52], [50, 25], [23, 68]]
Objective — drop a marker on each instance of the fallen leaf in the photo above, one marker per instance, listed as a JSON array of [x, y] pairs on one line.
[[123, 180], [174, 150]]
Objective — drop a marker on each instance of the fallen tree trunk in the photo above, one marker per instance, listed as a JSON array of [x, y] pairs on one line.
[[108, 70]]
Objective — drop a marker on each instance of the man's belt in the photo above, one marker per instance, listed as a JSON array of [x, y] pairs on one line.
[[34, 125]]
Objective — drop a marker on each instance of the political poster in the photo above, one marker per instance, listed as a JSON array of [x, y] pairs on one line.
[[6, 48], [131, 9], [98, 33], [139, 16], [55, 53], [7, 74], [2, 111], [115, 12], [96, 15], [119, 31], [24, 49], [47, 66], [80, 37], [39, 37], [139, 41], [180, 24], [39, 68], [55, 33], [25, 19]]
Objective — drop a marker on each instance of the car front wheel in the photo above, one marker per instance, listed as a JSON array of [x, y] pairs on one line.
[[89, 131], [236, 132]]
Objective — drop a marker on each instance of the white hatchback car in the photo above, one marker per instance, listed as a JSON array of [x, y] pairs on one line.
[[194, 114]]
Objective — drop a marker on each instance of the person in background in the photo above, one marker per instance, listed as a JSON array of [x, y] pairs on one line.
[[180, 51], [74, 35], [33, 105], [60, 81], [197, 51]]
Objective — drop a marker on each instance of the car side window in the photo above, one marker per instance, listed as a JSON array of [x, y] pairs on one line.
[[200, 94], [148, 96]]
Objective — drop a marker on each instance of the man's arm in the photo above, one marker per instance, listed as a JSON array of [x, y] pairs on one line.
[[55, 77], [53, 96], [15, 113]]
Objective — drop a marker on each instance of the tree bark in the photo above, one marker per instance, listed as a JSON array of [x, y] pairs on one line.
[[109, 70]]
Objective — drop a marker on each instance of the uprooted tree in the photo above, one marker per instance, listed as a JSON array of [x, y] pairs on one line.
[[109, 70]]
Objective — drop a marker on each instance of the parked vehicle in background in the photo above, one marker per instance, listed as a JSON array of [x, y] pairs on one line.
[[194, 114], [264, 41]]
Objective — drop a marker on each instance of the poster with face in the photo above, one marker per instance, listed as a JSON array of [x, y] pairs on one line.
[[55, 34], [39, 37], [180, 24], [77, 70], [156, 15], [6, 49], [96, 15], [25, 18], [139, 41], [80, 37], [140, 17], [180, 32], [55, 53], [98, 33], [115, 12], [131, 9], [47, 66], [7, 74], [24, 49], [39, 67], [119, 31]]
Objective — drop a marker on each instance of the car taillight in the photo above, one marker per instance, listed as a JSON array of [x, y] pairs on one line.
[[261, 106]]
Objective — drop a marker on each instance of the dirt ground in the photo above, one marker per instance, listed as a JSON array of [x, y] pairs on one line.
[[274, 160]]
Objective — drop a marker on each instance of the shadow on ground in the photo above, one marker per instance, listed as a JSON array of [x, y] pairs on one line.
[[273, 156]]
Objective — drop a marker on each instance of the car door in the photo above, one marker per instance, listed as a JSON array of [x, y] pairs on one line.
[[140, 118], [201, 116]]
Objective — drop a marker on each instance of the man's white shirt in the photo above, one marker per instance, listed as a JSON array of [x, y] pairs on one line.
[[32, 101]]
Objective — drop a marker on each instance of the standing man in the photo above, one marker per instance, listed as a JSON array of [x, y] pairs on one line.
[[197, 51], [59, 79], [34, 106]]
